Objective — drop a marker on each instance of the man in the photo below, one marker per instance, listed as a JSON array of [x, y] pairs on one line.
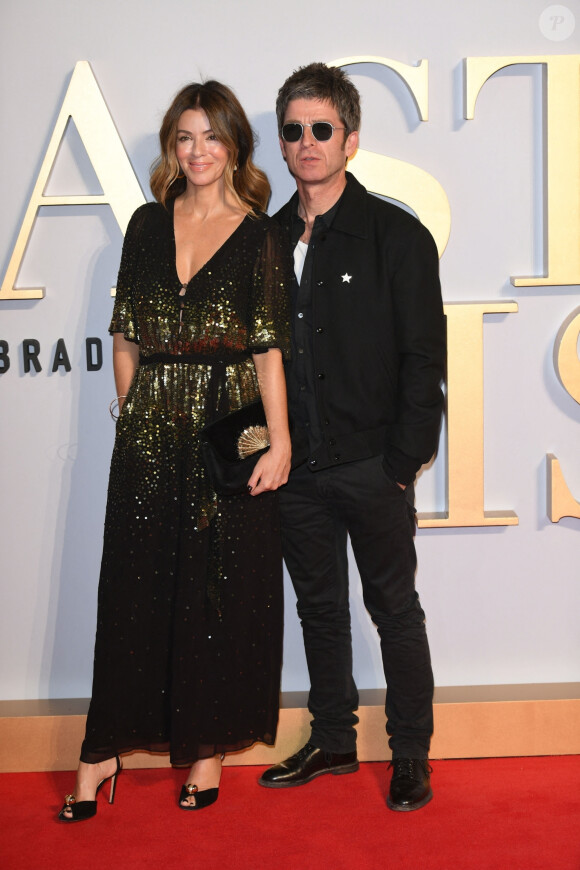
[[365, 398]]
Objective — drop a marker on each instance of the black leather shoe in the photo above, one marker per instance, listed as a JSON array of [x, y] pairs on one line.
[[410, 784], [308, 763]]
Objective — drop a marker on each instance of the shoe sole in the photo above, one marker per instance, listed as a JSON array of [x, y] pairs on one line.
[[336, 771], [407, 808]]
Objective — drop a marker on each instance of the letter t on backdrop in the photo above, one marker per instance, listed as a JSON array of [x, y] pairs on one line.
[[562, 161]]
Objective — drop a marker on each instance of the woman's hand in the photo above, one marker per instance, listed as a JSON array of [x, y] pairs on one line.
[[273, 467], [125, 362], [271, 471]]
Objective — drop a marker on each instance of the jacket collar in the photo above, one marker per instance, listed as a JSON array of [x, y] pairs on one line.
[[351, 217]]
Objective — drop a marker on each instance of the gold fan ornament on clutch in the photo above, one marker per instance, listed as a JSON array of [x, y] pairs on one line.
[[252, 439]]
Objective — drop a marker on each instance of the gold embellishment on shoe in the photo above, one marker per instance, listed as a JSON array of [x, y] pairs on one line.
[[70, 799], [191, 789], [252, 439]]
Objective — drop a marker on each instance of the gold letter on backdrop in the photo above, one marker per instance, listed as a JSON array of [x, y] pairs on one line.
[[563, 164], [395, 178], [561, 503], [83, 103], [465, 419], [566, 361]]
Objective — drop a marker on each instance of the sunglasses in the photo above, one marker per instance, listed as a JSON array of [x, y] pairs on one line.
[[321, 130]]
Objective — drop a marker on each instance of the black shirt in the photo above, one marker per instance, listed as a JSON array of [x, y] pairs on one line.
[[305, 407]]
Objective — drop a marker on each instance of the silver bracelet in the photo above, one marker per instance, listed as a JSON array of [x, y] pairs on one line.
[[114, 405]]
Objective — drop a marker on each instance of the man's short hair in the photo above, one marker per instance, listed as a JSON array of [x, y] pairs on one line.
[[320, 82]]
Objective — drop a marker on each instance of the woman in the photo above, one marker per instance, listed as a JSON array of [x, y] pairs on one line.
[[188, 647]]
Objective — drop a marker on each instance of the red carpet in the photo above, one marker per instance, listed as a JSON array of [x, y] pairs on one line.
[[490, 814]]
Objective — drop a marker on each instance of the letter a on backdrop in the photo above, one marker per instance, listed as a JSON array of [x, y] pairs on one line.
[[83, 103]]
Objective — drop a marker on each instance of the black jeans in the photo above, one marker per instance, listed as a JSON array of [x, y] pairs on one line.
[[318, 511]]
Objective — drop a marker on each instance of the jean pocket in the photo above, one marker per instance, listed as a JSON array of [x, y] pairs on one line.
[[388, 475]]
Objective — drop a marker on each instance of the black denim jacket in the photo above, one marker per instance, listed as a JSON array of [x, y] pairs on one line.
[[378, 337]]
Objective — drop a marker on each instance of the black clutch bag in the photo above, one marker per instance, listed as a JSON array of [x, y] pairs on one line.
[[231, 447]]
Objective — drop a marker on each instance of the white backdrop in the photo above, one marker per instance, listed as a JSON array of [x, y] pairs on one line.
[[502, 603]]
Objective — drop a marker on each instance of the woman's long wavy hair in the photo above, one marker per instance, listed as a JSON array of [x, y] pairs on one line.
[[248, 184]]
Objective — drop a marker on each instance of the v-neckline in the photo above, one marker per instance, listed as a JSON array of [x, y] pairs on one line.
[[203, 267]]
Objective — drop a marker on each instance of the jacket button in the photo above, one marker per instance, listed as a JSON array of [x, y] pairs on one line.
[[313, 462], [319, 329], [332, 442], [337, 456], [320, 376], [319, 283]]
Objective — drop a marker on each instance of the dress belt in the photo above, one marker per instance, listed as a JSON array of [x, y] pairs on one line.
[[218, 398], [193, 358]]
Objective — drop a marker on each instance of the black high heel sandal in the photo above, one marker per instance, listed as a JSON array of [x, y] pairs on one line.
[[202, 798], [83, 810]]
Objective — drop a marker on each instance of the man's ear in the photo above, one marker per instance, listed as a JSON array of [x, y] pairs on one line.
[[351, 144]]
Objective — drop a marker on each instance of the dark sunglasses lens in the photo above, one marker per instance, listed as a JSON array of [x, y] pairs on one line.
[[291, 132], [322, 131]]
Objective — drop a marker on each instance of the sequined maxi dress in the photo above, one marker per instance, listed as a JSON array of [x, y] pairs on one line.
[[189, 626]]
